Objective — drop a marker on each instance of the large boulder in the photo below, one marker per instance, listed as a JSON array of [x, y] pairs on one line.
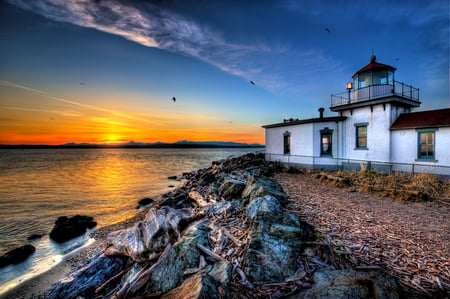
[[231, 188], [350, 283], [263, 206], [213, 284], [184, 255], [275, 241], [261, 186], [17, 255], [68, 228]]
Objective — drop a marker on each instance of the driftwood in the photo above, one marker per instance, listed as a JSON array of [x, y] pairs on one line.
[[141, 278], [121, 273], [210, 253], [148, 238]]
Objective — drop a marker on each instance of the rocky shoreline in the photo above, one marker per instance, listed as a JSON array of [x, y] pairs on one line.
[[223, 233]]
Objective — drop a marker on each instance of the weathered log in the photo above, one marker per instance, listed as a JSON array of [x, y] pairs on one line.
[[147, 239], [210, 253]]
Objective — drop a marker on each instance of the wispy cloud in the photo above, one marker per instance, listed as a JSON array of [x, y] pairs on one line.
[[160, 27]]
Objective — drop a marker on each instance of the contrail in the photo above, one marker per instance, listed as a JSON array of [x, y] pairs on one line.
[[49, 96]]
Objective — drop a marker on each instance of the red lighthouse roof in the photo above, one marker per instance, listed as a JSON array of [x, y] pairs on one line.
[[373, 65]]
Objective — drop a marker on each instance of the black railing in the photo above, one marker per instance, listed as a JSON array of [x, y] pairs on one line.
[[376, 92], [331, 163]]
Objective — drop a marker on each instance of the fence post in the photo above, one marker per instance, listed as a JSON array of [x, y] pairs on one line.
[[413, 169]]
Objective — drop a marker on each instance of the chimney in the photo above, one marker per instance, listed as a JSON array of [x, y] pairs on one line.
[[321, 110]]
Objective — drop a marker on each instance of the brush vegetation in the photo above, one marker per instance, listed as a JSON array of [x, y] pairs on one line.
[[407, 187]]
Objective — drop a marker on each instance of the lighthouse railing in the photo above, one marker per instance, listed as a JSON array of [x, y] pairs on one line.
[[375, 92]]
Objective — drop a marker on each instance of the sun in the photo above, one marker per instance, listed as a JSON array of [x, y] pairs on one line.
[[112, 138]]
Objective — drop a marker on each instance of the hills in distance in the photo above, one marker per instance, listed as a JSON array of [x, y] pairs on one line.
[[133, 144]]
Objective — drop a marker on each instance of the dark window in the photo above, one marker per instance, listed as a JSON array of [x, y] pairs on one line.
[[287, 143], [361, 136], [426, 145]]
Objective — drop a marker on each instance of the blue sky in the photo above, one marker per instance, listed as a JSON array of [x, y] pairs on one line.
[[117, 64]]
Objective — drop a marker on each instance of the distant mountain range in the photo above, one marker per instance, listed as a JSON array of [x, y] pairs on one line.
[[133, 144]]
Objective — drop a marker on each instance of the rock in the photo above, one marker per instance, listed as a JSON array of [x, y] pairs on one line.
[[148, 238], [35, 237], [260, 186], [88, 277], [195, 287], [213, 284], [146, 201], [17, 255], [351, 284], [262, 206], [177, 199], [173, 177], [68, 228], [184, 254], [231, 188], [275, 241]]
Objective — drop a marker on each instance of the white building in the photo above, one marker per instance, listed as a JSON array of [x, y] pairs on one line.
[[374, 126]]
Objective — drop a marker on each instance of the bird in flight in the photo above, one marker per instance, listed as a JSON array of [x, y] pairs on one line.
[[252, 83], [327, 30], [174, 99]]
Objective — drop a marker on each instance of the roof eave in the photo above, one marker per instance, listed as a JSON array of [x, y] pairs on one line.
[[305, 121]]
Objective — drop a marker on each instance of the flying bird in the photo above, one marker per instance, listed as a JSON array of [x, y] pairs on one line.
[[174, 99], [327, 30], [252, 83]]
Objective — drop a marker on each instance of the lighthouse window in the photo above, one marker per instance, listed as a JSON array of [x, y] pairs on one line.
[[325, 142], [426, 145], [287, 143], [361, 136]]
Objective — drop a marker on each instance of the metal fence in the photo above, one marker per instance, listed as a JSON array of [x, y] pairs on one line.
[[330, 163], [374, 92]]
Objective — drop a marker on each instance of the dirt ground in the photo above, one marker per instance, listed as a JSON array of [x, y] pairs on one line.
[[410, 240]]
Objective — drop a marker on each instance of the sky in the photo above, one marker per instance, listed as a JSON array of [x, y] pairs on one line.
[[106, 71]]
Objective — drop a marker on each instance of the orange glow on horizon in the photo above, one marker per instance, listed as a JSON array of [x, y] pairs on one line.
[[34, 117]]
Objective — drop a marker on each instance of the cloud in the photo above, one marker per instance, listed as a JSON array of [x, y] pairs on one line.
[[164, 28]]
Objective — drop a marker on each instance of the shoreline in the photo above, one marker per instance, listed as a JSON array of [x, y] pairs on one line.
[[37, 286], [377, 237]]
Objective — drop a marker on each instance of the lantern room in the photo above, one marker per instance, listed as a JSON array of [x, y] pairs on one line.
[[375, 84], [373, 74]]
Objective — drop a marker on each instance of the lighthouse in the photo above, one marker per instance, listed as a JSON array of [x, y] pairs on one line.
[[375, 126]]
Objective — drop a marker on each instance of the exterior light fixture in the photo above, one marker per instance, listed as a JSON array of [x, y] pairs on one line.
[[349, 85]]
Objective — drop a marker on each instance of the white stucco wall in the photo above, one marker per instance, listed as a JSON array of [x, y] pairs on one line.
[[378, 138], [405, 146], [301, 139]]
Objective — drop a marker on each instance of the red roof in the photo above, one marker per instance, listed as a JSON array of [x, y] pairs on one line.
[[373, 65], [424, 119]]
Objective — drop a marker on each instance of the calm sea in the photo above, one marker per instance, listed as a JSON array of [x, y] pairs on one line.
[[39, 185]]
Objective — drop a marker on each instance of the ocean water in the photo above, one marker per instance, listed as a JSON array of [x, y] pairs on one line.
[[39, 185]]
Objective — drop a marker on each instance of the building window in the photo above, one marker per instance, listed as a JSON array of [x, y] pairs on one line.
[[361, 136], [287, 143], [426, 145], [325, 142]]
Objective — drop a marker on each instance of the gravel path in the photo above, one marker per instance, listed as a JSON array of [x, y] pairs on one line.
[[411, 240]]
